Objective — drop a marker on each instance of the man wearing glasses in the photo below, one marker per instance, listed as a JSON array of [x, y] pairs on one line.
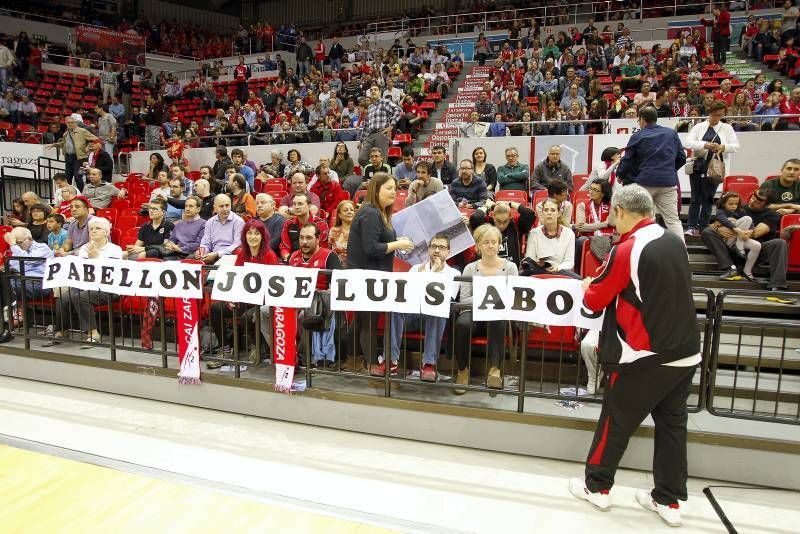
[[468, 191], [513, 175], [774, 251], [22, 245], [433, 327]]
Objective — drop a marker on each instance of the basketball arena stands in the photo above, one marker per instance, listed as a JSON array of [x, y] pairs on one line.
[[531, 86]]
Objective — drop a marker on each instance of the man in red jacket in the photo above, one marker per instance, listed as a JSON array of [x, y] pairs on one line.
[[330, 193], [649, 350], [312, 256], [720, 32]]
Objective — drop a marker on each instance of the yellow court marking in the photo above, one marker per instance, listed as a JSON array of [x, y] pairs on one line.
[[45, 494]]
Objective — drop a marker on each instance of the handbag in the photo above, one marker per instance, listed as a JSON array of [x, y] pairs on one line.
[[317, 317], [715, 170]]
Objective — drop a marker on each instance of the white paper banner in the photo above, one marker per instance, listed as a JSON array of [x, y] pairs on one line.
[[438, 289], [375, 291], [126, 278], [121, 277], [275, 285], [549, 301], [55, 272]]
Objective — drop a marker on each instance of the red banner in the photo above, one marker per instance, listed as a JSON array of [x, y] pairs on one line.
[[284, 332], [188, 341], [101, 44]]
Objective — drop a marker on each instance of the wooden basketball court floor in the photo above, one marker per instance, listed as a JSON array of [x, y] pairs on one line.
[[44, 493], [80, 461]]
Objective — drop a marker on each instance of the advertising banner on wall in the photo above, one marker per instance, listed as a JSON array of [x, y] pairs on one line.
[[100, 43]]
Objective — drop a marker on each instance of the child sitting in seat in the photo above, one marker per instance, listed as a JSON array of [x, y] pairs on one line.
[[731, 216], [57, 233]]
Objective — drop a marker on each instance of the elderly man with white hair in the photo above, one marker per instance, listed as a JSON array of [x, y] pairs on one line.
[[82, 301], [23, 246], [273, 221]]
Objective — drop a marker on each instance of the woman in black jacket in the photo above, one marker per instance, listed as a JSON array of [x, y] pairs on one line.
[[371, 245]]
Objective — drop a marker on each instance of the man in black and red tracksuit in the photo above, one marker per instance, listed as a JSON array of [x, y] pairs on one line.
[[649, 350], [312, 256], [241, 73]]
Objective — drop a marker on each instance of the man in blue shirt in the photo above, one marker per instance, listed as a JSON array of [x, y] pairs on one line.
[[652, 158], [22, 245]]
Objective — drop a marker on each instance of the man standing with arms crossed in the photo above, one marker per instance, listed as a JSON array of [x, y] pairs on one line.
[[382, 115], [649, 351]]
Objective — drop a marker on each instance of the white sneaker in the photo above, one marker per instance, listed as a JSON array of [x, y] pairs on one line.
[[671, 515], [600, 500]]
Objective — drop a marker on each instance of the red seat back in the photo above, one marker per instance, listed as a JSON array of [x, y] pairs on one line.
[[510, 195], [590, 265]]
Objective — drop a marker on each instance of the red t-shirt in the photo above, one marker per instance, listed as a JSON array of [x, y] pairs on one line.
[[240, 73], [787, 107], [728, 99], [269, 257]]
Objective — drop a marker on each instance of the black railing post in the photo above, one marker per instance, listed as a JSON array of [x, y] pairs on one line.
[[112, 344], [719, 306], [523, 358], [162, 331], [387, 352]]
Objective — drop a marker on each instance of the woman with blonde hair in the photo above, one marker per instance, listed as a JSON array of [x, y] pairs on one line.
[[488, 240], [339, 234]]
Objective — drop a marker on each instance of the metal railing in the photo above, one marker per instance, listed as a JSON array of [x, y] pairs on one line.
[[548, 15], [561, 126], [535, 361], [754, 370]]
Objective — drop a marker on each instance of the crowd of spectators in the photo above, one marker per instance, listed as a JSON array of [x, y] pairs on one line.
[[573, 82]]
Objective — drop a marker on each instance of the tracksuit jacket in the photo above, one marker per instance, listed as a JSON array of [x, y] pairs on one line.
[[646, 291]]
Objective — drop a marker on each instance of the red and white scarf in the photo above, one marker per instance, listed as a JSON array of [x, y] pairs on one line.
[[188, 341], [284, 331]]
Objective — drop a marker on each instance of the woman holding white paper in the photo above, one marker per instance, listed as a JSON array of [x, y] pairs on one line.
[[487, 240], [82, 301], [551, 245], [371, 245]]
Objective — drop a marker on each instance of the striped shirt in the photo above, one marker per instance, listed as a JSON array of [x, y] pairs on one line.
[[381, 115]]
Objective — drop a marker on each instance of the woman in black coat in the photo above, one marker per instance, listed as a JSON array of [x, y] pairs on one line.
[[371, 245]]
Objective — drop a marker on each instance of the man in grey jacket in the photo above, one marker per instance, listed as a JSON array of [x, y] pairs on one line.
[[551, 168]]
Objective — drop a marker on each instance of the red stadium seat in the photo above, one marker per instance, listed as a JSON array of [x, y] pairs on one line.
[[125, 222], [116, 236], [107, 213], [743, 185], [590, 265], [400, 200], [578, 180], [129, 237], [794, 243], [577, 198], [120, 204], [511, 195]]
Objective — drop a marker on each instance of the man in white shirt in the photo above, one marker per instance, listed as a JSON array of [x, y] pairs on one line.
[[433, 327], [393, 92]]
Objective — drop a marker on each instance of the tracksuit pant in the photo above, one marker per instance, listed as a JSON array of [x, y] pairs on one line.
[[629, 397]]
